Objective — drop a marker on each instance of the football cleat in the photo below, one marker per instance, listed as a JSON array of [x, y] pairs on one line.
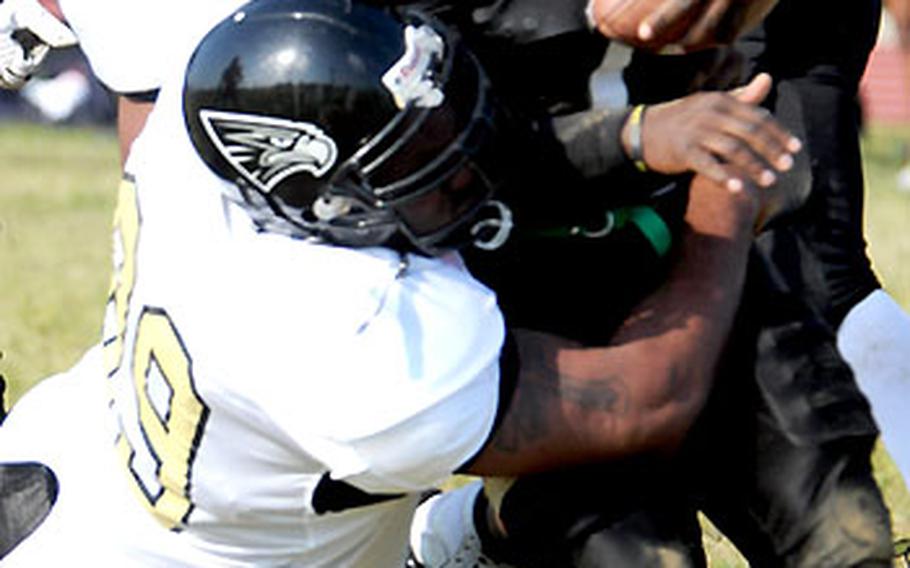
[[443, 534]]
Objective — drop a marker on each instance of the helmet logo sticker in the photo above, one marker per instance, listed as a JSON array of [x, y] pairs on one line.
[[266, 150], [410, 78]]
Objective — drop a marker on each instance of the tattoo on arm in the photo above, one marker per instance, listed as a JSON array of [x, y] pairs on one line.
[[544, 387]]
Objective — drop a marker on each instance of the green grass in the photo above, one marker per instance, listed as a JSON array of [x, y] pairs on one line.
[[57, 189], [56, 197]]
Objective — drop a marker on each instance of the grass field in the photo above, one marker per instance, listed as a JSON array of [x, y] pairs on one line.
[[56, 201]]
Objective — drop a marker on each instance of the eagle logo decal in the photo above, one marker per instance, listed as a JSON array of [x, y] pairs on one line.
[[266, 150]]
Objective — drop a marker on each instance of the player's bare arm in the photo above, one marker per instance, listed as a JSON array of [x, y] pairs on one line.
[[642, 392], [685, 24], [131, 117]]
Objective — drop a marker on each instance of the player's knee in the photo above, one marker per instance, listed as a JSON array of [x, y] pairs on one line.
[[851, 528], [646, 539]]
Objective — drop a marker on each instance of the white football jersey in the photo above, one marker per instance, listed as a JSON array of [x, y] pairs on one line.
[[276, 402], [130, 43]]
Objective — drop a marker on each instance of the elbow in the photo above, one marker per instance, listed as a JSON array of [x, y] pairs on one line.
[[662, 413], [672, 422], [674, 408]]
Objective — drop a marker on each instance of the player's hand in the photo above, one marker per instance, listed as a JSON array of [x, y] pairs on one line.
[[27, 32], [683, 25], [723, 136], [720, 22]]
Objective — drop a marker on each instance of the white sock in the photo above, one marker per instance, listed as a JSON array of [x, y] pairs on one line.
[[874, 339]]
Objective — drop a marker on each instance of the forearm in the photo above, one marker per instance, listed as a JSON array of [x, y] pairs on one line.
[[641, 392]]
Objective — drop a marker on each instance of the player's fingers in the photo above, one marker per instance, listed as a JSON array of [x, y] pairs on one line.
[[757, 130], [721, 113], [663, 17], [704, 163], [736, 153], [755, 91], [703, 31], [608, 14], [737, 114], [760, 130]]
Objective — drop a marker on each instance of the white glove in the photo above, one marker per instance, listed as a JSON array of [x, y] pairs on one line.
[[27, 32]]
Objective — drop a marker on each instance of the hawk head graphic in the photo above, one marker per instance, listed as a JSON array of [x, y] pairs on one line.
[[266, 150]]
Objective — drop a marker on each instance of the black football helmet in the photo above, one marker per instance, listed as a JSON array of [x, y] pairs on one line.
[[350, 123]]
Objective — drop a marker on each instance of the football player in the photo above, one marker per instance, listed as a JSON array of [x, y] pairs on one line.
[[292, 350], [700, 102], [819, 261], [800, 413], [653, 121], [133, 71]]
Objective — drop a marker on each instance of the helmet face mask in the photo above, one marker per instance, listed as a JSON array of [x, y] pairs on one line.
[[347, 123]]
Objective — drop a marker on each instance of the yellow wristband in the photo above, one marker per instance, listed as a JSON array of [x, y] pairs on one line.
[[636, 154]]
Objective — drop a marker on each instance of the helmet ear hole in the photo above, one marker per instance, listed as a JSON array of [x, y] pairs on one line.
[[328, 207], [339, 119]]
